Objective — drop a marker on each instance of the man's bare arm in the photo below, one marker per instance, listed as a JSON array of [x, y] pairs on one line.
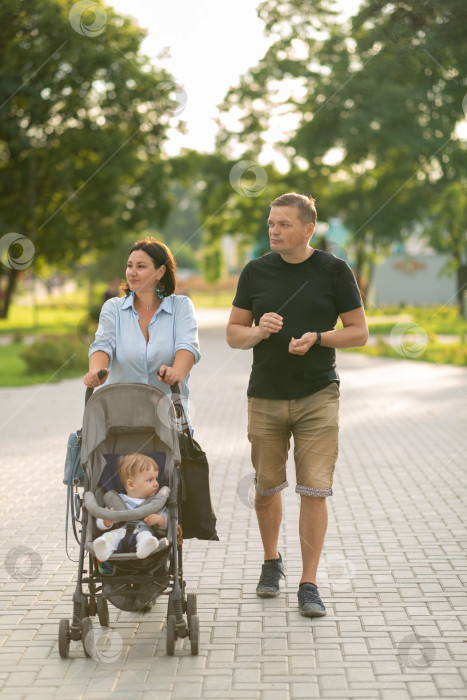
[[353, 334], [242, 334]]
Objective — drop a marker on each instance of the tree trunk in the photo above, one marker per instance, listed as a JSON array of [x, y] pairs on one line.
[[12, 277], [359, 271], [462, 289]]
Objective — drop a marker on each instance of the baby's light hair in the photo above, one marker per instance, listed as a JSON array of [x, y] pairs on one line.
[[130, 465]]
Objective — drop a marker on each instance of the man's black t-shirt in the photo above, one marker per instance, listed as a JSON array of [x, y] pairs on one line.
[[309, 296]]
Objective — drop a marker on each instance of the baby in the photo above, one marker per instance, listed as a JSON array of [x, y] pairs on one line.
[[138, 475]]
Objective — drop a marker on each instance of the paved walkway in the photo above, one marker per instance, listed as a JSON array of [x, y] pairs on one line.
[[392, 574]]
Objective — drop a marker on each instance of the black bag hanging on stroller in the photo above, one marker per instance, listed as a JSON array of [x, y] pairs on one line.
[[197, 516]]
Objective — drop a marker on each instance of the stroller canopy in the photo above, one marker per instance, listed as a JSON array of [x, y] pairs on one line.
[[129, 408]]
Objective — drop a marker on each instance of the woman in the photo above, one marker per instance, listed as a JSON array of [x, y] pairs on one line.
[[150, 335]]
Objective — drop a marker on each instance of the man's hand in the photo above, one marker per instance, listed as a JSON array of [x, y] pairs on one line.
[[169, 375], [269, 323], [155, 520], [301, 345]]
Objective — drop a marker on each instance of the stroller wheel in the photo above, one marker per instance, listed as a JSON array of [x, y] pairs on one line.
[[64, 638], [191, 606], [171, 635], [87, 636], [102, 611], [194, 634]]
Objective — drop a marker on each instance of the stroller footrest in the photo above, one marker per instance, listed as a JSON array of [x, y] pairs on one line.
[[163, 544]]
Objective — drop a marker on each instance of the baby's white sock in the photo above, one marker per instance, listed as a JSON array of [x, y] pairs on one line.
[[106, 544], [146, 544]]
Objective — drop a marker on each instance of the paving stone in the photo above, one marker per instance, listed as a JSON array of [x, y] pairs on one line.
[[422, 690], [360, 674], [391, 694], [331, 682], [303, 690]]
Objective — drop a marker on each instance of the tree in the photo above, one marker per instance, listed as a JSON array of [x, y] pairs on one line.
[[277, 85], [84, 119], [448, 229], [233, 198], [377, 104], [392, 109]]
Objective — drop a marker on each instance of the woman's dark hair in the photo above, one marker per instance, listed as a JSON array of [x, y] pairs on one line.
[[160, 255]]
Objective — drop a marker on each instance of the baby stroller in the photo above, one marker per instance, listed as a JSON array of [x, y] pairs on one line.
[[121, 419]]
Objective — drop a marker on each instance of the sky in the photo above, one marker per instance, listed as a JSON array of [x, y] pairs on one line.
[[211, 44]]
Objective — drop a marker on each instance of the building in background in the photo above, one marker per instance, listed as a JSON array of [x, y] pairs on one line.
[[417, 279], [412, 274]]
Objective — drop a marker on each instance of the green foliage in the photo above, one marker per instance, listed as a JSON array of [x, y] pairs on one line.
[[213, 262], [227, 200], [440, 320], [442, 353], [183, 225], [18, 336], [81, 139], [184, 254], [55, 354], [448, 229], [386, 91], [437, 320]]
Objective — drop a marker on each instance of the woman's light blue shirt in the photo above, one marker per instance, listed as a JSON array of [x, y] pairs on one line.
[[173, 327]]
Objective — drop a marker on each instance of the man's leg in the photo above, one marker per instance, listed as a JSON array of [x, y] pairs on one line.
[[269, 437], [269, 514], [315, 429], [312, 529]]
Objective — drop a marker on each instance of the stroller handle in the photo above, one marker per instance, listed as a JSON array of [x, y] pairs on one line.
[[179, 412], [175, 389], [89, 391]]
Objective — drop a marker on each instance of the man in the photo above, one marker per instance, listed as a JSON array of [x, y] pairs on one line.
[[286, 307]]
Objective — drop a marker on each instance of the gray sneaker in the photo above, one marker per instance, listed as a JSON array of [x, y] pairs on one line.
[[271, 573], [309, 602]]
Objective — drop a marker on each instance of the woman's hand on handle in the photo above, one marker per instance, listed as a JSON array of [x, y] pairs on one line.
[[169, 375], [92, 380]]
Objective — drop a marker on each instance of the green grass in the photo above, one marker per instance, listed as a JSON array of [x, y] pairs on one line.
[[13, 369], [56, 320]]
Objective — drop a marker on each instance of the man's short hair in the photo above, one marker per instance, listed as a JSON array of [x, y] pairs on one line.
[[130, 465], [306, 206]]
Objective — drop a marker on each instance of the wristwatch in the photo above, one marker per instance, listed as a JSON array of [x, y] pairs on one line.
[[318, 339]]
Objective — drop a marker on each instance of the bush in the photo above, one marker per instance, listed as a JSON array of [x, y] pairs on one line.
[[442, 353], [18, 336], [213, 262], [55, 353]]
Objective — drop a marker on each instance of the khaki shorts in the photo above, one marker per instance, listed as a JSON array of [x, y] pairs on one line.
[[314, 423]]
